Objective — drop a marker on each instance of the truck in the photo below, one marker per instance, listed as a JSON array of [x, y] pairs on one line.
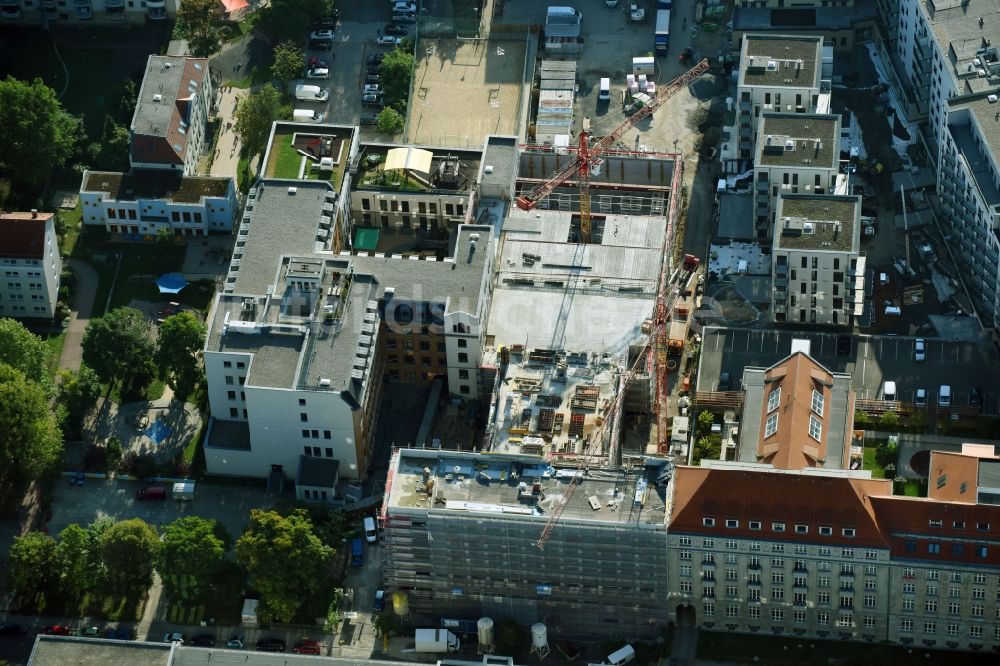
[[636, 14], [461, 627], [308, 93], [357, 552], [436, 640], [661, 38], [664, 4], [184, 491]]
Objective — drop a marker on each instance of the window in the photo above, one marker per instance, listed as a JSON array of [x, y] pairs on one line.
[[708, 522], [771, 425], [732, 523], [930, 605], [685, 555], [801, 529], [227, 364], [823, 581], [329, 452], [327, 434], [815, 428], [463, 374], [755, 525], [976, 631], [906, 624], [754, 612], [463, 343], [817, 402], [686, 570], [777, 593], [303, 417], [233, 412], [848, 531], [954, 608], [731, 544], [907, 603], [777, 527], [777, 614], [825, 530], [464, 389], [869, 601], [958, 549], [229, 380], [463, 357], [773, 399], [685, 586], [934, 548], [708, 608], [231, 395]]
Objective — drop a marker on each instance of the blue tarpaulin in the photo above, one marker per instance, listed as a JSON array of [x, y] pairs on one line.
[[171, 283]]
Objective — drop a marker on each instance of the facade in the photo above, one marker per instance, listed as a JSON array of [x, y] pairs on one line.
[[817, 268], [85, 12], [460, 531], [171, 114], [777, 73], [842, 24], [796, 153], [968, 195], [147, 201], [29, 254]]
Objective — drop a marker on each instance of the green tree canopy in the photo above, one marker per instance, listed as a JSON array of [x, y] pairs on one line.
[[36, 134], [254, 117], [390, 121], [284, 559], [32, 565], [78, 391], [199, 21], [128, 550], [290, 19], [178, 351], [22, 349], [194, 549], [30, 441], [79, 564], [288, 62], [397, 69], [119, 346]]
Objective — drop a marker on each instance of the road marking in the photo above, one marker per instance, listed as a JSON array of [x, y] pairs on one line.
[[762, 343]]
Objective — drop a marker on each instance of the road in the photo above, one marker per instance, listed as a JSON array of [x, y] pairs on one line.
[[82, 307]]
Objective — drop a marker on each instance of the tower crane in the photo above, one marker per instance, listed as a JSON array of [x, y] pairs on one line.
[[589, 157]]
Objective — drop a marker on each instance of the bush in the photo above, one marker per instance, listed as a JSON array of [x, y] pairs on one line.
[[113, 452], [889, 421], [862, 420]]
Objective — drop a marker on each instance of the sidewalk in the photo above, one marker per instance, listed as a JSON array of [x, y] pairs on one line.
[[227, 148], [83, 305]]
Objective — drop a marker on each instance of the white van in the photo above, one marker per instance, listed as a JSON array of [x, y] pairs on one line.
[[371, 534], [307, 116], [889, 390], [308, 93], [944, 395], [622, 656], [604, 94]]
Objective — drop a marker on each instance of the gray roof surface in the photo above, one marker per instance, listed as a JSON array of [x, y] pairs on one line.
[[195, 656], [163, 77], [753, 406], [816, 139], [955, 25], [989, 474], [318, 472], [985, 114], [276, 356], [759, 50], [822, 210], [651, 171], [501, 154], [801, 19], [736, 220], [229, 435], [487, 487], [73, 651]]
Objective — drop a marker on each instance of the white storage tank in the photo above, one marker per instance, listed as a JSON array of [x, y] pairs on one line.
[[400, 604], [539, 635], [484, 628]]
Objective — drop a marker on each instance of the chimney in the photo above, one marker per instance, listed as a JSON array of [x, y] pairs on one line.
[[34, 213]]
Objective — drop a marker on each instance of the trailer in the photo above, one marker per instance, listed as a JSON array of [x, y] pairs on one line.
[[436, 640], [661, 38]]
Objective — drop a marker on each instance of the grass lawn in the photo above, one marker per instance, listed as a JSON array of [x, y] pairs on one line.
[[73, 223], [286, 160], [54, 345], [259, 75], [910, 488], [221, 603], [870, 462], [112, 607]]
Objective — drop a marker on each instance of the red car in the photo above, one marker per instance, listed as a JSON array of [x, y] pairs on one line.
[[57, 630], [307, 647]]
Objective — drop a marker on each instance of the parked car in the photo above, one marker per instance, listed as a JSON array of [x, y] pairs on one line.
[[388, 40], [11, 629], [371, 99], [369, 120], [324, 34], [843, 345], [174, 637], [307, 646], [373, 88], [373, 69], [919, 350], [373, 77], [976, 398], [235, 642], [889, 390], [379, 601], [119, 634], [404, 6], [57, 630], [151, 494], [724, 381], [91, 631], [320, 45], [920, 398], [375, 59], [944, 396], [395, 29], [315, 62], [318, 73], [204, 640], [404, 17], [271, 644]]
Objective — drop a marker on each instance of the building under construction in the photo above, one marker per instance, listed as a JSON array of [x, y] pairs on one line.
[[462, 531]]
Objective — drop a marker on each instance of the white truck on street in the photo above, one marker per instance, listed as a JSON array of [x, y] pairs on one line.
[[308, 93], [436, 640]]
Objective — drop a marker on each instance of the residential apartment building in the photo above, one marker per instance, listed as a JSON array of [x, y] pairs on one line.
[[842, 24], [29, 257], [777, 73], [461, 533], [817, 268], [144, 202], [171, 114], [796, 152], [85, 12], [968, 195]]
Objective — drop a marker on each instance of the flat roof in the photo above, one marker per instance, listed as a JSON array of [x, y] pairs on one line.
[[320, 472], [652, 170], [808, 140], [736, 217], [229, 435], [452, 170], [806, 19], [955, 26], [290, 143], [500, 158], [832, 222], [985, 114], [781, 60], [490, 485], [155, 184], [75, 651]]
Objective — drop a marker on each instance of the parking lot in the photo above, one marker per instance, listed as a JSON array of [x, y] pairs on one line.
[[872, 361]]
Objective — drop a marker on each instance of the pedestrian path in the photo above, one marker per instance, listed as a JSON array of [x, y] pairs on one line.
[[227, 149]]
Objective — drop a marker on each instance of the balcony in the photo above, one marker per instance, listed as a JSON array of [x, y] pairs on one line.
[[780, 281], [10, 9], [156, 10]]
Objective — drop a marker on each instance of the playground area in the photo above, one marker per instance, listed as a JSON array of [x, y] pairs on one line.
[[464, 90]]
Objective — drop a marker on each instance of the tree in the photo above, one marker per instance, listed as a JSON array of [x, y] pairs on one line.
[[390, 121], [178, 352], [889, 420], [254, 117], [198, 20], [119, 346], [128, 552], [397, 69], [193, 551], [22, 349], [706, 420], [36, 133], [32, 565], [288, 62], [30, 441], [78, 560], [289, 19], [78, 391], [285, 561]]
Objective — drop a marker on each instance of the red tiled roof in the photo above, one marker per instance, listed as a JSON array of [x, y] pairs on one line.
[[791, 446], [813, 500], [23, 236], [234, 5], [156, 149]]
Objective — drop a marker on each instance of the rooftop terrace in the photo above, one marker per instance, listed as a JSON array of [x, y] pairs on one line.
[[309, 152], [781, 61], [528, 488], [451, 170], [155, 184], [818, 222]]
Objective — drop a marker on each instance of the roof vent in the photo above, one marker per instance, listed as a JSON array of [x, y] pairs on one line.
[[157, 98], [324, 382], [169, 65], [807, 228], [772, 65], [992, 99], [488, 169], [293, 190]]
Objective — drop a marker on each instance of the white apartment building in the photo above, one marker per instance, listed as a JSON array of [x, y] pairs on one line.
[[780, 73], [817, 269], [146, 201], [968, 195], [796, 153], [85, 12], [29, 258], [171, 113]]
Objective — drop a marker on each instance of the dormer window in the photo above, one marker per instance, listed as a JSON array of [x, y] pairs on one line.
[[773, 400]]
